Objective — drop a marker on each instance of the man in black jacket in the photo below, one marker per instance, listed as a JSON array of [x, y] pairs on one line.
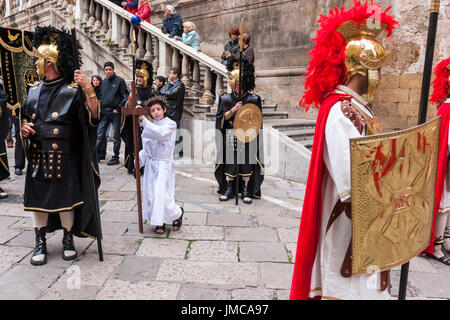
[[174, 92], [114, 95]]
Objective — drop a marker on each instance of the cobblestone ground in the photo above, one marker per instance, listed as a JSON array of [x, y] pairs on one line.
[[222, 251]]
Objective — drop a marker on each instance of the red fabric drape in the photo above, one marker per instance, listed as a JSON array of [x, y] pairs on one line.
[[309, 232], [444, 112]]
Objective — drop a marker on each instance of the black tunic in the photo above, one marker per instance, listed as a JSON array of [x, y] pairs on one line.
[[62, 158], [250, 155], [142, 95], [4, 127]]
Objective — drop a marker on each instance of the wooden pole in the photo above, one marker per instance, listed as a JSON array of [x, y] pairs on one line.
[[426, 80]]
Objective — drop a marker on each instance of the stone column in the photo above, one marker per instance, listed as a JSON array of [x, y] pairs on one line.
[[185, 71], [165, 59], [104, 29], [91, 20], [98, 17], [141, 39], [124, 41], [148, 48], [207, 97], [156, 60], [109, 32], [196, 76], [176, 59], [85, 10]]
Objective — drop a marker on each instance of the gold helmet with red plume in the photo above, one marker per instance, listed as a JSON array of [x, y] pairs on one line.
[[346, 45]]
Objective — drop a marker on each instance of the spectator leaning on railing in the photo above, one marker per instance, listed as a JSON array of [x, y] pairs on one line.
[[232, 46], [190, 37], [143, 10], [172, 23], [130, 5]]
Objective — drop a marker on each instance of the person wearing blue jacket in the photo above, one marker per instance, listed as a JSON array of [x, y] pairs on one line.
[[190, 37], [172, 23]]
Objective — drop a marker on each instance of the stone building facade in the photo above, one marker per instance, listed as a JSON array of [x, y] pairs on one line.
[[281, 33]]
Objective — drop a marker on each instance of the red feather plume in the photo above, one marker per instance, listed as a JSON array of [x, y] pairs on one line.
[[441, 84], [327, 58]]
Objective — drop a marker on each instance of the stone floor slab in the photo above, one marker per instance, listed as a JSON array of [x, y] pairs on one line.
[[137, 268], [145, 290], [276, 275], [198, 233], [7, 234], [118, 205], [27, 282], [119, 216], [231, 220], [118, 245], [195, 218], [252, 294], [213, 251], [12, 255], [192, 292], [262, 251], [250, 234], [288, 235], [163, 248], [226, 274]]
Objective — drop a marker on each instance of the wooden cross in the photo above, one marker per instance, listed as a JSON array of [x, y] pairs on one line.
[[131, 110]]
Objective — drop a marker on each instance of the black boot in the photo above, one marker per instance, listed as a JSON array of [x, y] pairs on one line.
[[41, 246], [229, 194], [68, 245], [245, 195]]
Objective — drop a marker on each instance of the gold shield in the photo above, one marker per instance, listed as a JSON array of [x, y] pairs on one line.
[[393, 186], [248, 122]]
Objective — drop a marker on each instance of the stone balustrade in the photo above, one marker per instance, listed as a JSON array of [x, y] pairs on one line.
[[111, 24]]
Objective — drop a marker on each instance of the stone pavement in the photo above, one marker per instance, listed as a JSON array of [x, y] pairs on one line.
[[222, 251]]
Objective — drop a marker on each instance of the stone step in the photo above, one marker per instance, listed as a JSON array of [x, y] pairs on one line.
[[293, 124], [269, 107], [300, 135], [202, 108], [307, 143], [275, 115]]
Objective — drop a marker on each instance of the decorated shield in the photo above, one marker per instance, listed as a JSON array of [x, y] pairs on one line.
[[393, 186], [248, 122]]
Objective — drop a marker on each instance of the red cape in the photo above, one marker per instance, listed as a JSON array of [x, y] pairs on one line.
[[309, 232], [444, 112]]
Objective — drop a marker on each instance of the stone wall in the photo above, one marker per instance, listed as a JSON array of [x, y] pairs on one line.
[[397, 101]]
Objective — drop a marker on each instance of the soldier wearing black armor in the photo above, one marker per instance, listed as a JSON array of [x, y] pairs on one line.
[[4, 126], [250, 155], [144, 91], [59, 132]]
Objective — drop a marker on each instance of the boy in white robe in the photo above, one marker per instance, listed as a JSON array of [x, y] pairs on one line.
[[158, 144]]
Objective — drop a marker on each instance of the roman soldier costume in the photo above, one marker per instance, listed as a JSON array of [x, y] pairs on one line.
[[143, 93], [250, 162], [345, 46], [62, 152], [4, 126], [439, 247]]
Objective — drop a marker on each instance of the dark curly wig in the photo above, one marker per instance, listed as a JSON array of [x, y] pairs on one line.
[[248, 74], [161, 100], [66, 63]]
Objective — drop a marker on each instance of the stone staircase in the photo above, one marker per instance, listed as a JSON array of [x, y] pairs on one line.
[[299, 130]]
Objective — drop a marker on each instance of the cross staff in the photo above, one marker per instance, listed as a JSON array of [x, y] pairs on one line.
[[431, 41], [131, 110]]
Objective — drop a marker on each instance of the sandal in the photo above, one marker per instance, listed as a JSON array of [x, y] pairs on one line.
[[445, 259], [160, 229], [176, 224]]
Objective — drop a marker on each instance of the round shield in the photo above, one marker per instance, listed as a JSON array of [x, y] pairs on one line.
[[248, 122]]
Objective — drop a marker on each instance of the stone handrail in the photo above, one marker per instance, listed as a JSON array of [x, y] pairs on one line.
[[111, 24]]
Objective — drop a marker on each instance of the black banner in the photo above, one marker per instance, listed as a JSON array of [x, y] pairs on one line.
[[17, 64]]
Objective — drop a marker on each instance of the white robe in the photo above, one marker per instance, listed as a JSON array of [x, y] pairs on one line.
[[158, 199], [326, 279]]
